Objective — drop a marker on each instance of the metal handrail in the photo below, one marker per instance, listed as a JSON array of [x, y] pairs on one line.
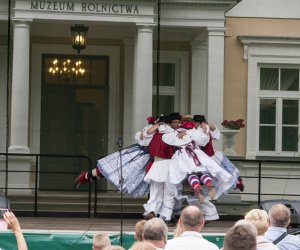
[[37, 172]]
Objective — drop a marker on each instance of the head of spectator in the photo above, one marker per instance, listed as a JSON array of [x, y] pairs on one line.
[[142, 245], [138, 230], [279, 216], [259, 218], [156, 232], [241, 236], [191, 219], [101, 242]]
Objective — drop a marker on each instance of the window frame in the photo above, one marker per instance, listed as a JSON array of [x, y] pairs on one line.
[[180, 90], [271, 52]]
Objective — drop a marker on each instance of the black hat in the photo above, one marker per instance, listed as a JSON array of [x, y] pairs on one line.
[[164, 118], [199, 118], [175, 116]]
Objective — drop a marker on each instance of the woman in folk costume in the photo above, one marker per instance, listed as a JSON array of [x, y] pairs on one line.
[[189, 159], [134, 161], [162, 192], [218, 156]]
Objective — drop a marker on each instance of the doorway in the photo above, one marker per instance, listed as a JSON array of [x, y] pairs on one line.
[[74, 116]]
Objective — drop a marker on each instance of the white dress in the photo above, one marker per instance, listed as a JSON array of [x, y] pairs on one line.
[[190, 159]]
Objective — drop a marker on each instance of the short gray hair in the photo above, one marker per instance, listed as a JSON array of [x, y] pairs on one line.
[[191, 217], [155, 229], [279, 215]]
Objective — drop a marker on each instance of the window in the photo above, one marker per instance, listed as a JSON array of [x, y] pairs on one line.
[[167, 88], [279, 109]]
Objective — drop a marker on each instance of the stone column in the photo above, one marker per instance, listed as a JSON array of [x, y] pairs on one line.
[[215, 76], [20, 88], [19, 123], [142, 79], [128, 133], [199, 78]]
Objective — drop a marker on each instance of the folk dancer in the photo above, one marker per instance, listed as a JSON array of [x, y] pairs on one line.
[[134, 161], [218, 156], [162, 192]]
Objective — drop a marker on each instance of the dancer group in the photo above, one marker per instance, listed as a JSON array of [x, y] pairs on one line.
[[172, 152]]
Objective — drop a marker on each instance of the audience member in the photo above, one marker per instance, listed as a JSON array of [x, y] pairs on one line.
[[259, 218], [142, 245], [138, 230], [241, 236], [156, 232], [191, 222], [101, 241], [279, 218], [14, 225]]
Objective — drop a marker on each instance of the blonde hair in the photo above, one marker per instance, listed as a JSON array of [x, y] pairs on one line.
[[138, 230], [259, 218], [178, 230], [101, 241], [142, 245]]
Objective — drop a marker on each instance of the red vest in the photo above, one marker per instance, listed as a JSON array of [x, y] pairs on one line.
[[159, 148], [208, 148]]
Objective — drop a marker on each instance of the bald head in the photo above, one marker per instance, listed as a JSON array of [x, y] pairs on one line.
[[279, 216], [191, 219]]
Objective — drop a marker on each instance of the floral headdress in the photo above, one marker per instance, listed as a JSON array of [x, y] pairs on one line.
[[188, 124], [151, 119]]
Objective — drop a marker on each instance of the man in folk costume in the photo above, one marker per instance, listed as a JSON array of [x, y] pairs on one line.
[[162, 191], [217, 156]]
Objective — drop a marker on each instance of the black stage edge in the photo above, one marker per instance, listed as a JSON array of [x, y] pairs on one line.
[[137, 216]]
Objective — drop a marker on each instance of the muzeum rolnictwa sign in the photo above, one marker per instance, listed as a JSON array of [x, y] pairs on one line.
[[69, 6]]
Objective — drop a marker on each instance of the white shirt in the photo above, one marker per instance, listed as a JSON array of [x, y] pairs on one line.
[[190, 240]]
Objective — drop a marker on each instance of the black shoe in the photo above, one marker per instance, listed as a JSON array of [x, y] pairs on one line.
[[149, 216], [170, 223]]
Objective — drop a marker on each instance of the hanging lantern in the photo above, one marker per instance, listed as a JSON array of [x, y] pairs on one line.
[[79, 36]]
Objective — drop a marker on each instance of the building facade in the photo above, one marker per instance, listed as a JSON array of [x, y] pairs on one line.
[[62, 113]]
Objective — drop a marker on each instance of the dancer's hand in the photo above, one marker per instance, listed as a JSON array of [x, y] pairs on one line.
[[181, 134]]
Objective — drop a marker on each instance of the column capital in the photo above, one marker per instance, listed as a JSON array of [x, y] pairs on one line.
[[216, 31], [142, 27], [21, 23]]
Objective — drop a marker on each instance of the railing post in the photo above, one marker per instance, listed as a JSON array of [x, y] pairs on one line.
[[259, 183], [36, 184], [95, 200]]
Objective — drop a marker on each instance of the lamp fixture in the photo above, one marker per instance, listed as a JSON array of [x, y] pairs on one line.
[[79, 36], [66, 68]]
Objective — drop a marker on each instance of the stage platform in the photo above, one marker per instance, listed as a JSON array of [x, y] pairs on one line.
[[101, 224]]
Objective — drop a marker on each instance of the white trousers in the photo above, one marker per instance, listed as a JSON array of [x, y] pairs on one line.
[[162, 199]]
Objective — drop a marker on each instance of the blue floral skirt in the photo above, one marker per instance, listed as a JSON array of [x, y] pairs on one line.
[[131, 165]]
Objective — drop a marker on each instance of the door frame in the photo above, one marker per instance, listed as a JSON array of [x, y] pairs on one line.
[[113, 52]]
